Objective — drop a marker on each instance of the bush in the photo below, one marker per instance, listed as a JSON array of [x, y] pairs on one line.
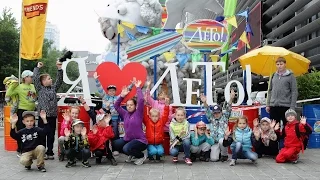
[[309, 85]]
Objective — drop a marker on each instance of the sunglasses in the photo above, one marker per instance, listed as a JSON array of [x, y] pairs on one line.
[[202, 129]]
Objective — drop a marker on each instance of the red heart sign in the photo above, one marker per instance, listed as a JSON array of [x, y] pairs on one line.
[[110, 74]]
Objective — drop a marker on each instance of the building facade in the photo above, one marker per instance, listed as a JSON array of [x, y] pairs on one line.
[[52, 33]]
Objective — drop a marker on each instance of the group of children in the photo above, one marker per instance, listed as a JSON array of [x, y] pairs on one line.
[[206, 142]]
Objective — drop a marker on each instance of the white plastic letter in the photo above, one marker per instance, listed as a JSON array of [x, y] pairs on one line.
[[190, 92], [248, 84], [240, 92]]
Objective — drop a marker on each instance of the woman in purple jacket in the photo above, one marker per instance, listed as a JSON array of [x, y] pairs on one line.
[[134, 142]]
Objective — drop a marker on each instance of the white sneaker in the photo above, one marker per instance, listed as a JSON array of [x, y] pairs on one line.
[[115, 153], [130, 159], [140, 160], [18, 155], [233, 162]]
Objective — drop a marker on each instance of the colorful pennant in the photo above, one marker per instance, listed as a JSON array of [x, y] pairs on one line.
[[196, 57], [169, 56], [214, 58], [156, 31], [120, 30], [233, 21], [130, 36], [244, 39], [182, 59], [129, 25], [142, 29], [244, 13], [248, 29]]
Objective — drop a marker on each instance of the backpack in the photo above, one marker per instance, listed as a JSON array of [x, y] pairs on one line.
[[304, 137]]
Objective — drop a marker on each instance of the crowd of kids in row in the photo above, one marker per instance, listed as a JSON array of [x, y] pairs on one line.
[[206, 142]]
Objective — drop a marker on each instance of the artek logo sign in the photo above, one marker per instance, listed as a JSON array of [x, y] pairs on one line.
[[34, 10]]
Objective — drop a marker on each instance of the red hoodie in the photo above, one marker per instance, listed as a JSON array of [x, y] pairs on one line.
[[98, 140], [291, 139]]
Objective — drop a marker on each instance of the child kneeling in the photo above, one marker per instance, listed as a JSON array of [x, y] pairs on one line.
[[241, 140], [295, 133], [179, 136], [31, 139], [154, 131], [99, 138], [265, 137], [76, 144], [201, 142]]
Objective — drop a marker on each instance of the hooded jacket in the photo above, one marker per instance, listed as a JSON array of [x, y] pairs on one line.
[[154, 131], [176, 128], [283, 90], [98, 140], [243, 136], [291, 139]]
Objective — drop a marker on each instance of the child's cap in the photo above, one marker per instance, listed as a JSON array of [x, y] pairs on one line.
[[100, 117], [112, 87], [216, 109], [265, 119], [26, 73], [29, 113], [77, 121], [291, 112]]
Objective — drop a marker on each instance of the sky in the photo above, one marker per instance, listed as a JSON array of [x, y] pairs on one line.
[[76, 19]]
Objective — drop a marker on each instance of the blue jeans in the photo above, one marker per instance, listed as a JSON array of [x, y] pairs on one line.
[[131, 148], [184, 147], [238, 152], [155, 150], [115, 124]]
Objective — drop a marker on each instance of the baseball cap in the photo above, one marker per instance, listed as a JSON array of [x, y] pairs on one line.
[[111, 87], [265, 119], [77, 121], [216, 109], [29, 113], [100, 117], [26, 73]]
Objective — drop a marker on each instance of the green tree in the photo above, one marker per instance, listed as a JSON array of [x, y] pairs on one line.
[[9, 45]]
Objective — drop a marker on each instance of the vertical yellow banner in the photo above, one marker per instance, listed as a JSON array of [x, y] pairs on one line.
[[34, 15]]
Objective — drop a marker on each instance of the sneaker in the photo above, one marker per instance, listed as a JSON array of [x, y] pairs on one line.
[[233, 162], [49, 157], [193, 157], [42, 169], [115, 153], [175, 159], [158, 158], [98, 160], [140, 160], [254, 161], [70, 164], [151, 159], [18, 155], [86, 164], [61, 157], [188, 161], [296, 161], [130, 159], [224, 158], [113, 162], [259, 156], [27, 167]]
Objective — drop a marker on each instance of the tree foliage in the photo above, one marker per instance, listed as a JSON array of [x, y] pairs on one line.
[[309, 85], [9, 53]]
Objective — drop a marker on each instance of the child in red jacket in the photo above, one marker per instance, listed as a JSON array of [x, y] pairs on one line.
[[154, 131], [99, 139], [292, 144]]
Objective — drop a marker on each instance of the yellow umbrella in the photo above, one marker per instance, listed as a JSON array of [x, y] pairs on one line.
[[263, 60]]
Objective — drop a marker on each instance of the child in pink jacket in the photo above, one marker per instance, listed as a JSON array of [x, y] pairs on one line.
[[68, 117], [159, 104]]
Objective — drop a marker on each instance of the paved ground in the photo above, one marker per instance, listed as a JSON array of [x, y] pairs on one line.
[[266, 168]]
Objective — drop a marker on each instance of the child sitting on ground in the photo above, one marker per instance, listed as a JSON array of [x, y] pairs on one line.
[[30, 137], [76, 144], [179, 136], [265, 137], [68, 117], [99, 139], [241, 140], [295, 133], [218, 124], [154, 131], [201, 142]]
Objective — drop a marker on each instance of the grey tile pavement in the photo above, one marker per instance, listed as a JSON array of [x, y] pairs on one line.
[[265, 169]]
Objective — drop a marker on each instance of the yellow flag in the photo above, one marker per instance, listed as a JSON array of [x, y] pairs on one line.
[[34, 15], [214, 58], [244, 39], [121, 30], [168, 56], [233, 21], [129, 25]]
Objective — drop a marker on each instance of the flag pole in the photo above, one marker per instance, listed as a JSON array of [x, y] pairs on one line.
[[20, 43]]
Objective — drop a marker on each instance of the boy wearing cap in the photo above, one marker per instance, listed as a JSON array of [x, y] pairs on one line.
[[30, 136], [292, 143], [218, 124], [99, 139], [265, 142], [27, 97], [76, 144]]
